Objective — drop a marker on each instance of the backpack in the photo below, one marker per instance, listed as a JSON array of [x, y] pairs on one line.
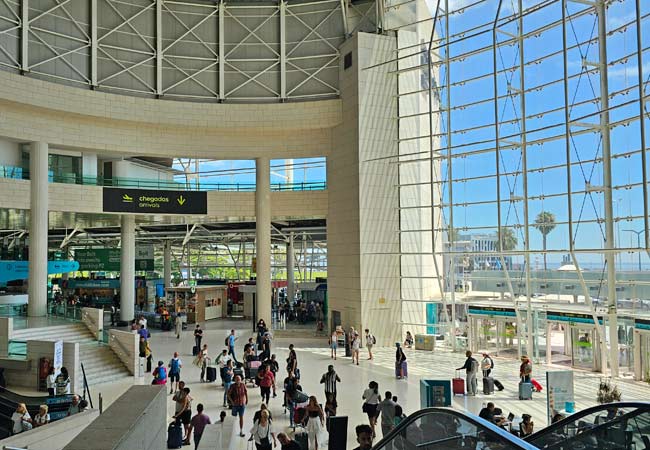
[[227, 341], [374, 340], [474, 365], [173, 366]]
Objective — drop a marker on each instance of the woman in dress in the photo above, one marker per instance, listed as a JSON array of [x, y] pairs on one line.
[[42, 418], [315, 418], [262, 433], [372, 399]]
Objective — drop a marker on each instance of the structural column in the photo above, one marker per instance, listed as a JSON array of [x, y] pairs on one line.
[[263, 238], [167, 265], [291, 282], [127, 269], [38, 174]]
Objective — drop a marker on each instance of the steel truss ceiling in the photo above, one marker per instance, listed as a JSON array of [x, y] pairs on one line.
[[235, 51]]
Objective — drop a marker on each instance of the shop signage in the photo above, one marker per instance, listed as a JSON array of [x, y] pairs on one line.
[[19, 270], [642, 324], [58, 355], [109, 259], [492, 311], [559, 393], [571, 318], [144, 201]]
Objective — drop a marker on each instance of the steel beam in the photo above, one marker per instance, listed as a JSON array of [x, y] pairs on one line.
[[24, 36], [644, 169], [222, 51], [610, 257], [93, 43], [283, 50], [159, 48]]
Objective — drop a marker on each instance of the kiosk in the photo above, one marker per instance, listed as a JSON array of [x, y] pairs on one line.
[[200, 303]]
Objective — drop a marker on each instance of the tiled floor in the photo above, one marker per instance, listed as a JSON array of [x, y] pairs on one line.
[[313, 358]]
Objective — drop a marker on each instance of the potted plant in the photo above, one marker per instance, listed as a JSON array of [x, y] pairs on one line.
[[607, 392]]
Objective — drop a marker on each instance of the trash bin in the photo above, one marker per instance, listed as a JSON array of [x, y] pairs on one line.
[[435, 393]]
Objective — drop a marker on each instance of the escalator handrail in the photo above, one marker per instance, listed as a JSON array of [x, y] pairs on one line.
[[574, 418], [491, 428]]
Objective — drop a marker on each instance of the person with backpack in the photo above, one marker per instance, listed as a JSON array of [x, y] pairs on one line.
[[487, 365], [230, 343], [175, 365], [370, 341], [471, 368], [159, 374]]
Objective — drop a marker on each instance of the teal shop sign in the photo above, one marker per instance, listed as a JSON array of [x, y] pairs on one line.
[[19, 270]]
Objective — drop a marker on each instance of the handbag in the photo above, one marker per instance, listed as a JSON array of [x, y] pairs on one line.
[[365, 408]]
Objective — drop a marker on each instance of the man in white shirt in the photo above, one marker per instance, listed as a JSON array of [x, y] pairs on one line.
[[142, 321], [222, 361]]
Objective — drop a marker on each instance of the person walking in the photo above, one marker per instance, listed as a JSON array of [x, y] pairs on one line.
[[371, 399], [471, 368], [274, 367], [178, 325], [487, 365], [198, 336], [222, 362], [197, 424], [387, 411], [329, 379], [238, 398], [356, 345], [267, 381], [185, 412], [262, 433], [227, 377], [334, 344], [370, 341], [287, 443], [315, 425], [525, 369], [113, 315], [292, 361], [203, 360], [231, 345], [175, 365], [365, 436], [401, 370]]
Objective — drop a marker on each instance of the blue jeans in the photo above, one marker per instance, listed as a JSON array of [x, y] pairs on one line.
[[225, 392], [231, 351]]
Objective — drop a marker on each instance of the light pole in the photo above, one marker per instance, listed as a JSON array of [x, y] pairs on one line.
[[638, 242]]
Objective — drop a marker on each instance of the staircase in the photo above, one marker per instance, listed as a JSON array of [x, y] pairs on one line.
[[101, 364]]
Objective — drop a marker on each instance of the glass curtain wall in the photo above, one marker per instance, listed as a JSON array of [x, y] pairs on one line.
[[523, 159]]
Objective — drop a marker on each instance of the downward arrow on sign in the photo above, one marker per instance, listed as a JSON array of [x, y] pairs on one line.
[[180, 200]]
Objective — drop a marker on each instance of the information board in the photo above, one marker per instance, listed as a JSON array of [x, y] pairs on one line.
[[146, 201], [559, 392], [109, 259]]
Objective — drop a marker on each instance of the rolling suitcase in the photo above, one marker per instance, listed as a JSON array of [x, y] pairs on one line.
[[302, 440], [458, 385], [211, 374], [498, 384], [195, 350], [488, 385], [175, 435], [536, 385], [525, 391]]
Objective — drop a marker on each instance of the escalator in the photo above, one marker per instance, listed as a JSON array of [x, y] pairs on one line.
[[57, 407], [449, 429], [613, 426]]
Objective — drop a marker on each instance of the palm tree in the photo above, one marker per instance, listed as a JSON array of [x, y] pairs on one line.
[[545, 223], [508, 239]]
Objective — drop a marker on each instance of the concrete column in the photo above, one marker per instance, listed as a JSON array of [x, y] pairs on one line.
[[89, 165], [127, 269], [38, 174], [291, 282], [167, 264], [263, 237]]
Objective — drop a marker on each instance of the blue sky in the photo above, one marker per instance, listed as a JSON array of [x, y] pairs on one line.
[[544, 179]]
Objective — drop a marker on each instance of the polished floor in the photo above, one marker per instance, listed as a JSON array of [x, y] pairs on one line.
[[313, 358]]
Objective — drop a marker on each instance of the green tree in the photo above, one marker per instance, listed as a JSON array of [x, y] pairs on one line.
[[545, 223], [508, 240]]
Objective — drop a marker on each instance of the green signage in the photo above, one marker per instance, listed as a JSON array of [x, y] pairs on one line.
[[108, 260]]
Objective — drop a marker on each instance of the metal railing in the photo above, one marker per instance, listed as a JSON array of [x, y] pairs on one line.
[[65, 311], [139, 183]]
